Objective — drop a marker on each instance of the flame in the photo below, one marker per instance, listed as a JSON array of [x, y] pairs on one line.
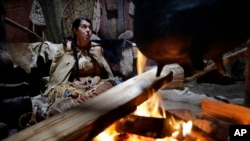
[[187, 128], [149, 108], [107, 135], [141, 62]]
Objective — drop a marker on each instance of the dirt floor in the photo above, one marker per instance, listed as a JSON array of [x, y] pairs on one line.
[[193, 93], [234, 93], [230, 91]]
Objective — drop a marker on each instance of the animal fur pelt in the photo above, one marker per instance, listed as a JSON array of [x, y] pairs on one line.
[[25, 55]]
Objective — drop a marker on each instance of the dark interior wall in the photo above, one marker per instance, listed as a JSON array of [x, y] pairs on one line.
[[115, 21], [18, 11]]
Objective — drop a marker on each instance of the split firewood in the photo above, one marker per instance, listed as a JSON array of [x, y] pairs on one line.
[[230, 113], [215, 128]]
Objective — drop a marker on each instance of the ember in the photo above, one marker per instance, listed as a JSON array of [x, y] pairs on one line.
[[147, 123]]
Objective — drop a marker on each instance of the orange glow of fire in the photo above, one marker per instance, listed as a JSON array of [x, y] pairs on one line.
[[141, 62], [149, 108]]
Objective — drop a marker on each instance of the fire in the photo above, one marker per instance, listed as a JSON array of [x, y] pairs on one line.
[[149, 108], [187, 128], [141, 62]]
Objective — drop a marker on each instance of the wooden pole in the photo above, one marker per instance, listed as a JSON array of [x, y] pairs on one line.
[[226, 59], [87, 120], [23, 28], [247, 94]]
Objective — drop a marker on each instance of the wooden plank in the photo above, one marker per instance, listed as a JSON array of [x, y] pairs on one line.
[[90, 118], [230, 113]]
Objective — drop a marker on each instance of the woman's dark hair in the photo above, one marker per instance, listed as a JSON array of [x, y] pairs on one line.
[[75, 25], [77, 22]]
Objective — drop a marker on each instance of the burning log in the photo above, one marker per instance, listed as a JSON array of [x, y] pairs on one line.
[[212, 127], [85, 121], [145, 126], [161, 128]]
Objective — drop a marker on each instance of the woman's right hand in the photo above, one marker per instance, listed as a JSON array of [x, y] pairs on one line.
[[89, 82]]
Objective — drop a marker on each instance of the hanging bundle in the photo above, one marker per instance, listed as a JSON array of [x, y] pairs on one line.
[[96, 17], [36, 14]]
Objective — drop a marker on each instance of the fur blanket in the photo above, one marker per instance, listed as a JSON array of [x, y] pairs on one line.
[[25, 55]]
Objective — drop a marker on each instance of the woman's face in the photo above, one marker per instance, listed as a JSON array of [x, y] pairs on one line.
[[84, 31]]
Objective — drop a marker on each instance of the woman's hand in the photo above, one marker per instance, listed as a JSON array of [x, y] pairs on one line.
[[87, 83], [96, 80]]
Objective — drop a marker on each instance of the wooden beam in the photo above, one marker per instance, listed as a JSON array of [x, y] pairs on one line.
[[90, 118], [233, 114]]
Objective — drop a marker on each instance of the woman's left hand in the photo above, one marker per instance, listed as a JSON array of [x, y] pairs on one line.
[[87, 83]]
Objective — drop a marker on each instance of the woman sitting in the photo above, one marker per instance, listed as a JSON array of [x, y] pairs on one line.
[[79, 72]]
